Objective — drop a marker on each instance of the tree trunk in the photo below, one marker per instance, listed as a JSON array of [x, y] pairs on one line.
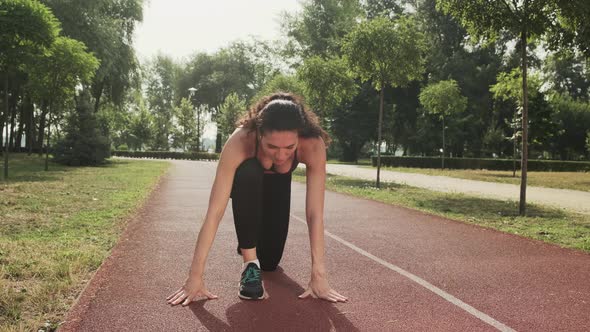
[[198, 129], [41, 130], [6, 121], [525, 125], [349, 151], [218, 137], [514, 152], [47, 148], [443, 147], [379, 136], [12, 125], [30, 129], [217, 140], [21, 124], [97, 91]]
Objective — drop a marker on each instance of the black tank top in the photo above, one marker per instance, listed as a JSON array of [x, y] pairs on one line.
[[272, 169]]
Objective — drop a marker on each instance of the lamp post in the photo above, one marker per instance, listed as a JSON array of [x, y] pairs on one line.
[[192, 91]]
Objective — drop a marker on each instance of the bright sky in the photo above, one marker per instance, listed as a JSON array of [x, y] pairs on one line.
[[181, 27]]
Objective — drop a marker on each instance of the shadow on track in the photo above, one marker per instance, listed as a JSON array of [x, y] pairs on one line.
[[283, 310]]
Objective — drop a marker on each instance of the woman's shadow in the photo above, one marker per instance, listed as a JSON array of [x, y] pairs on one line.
[[283, 310]]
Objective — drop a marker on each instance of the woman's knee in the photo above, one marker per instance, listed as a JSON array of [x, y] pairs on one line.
[[268, 264], [268, 268]]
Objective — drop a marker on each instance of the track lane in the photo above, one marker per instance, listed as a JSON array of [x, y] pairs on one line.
[[473, 264], [523, 283]]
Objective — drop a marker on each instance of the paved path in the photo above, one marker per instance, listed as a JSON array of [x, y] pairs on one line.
[[574, 200], [402, 270]]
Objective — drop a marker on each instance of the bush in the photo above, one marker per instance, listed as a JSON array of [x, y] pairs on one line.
[[83, 144], [482, 163]]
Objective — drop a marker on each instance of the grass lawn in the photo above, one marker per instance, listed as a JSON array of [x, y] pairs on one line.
[[559, 180], [56, 228], [566, 229]]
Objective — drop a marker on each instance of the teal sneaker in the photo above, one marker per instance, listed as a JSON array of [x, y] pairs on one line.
[[251, 287]]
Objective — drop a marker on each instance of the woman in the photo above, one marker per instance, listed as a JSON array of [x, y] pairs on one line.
[[254, 169]]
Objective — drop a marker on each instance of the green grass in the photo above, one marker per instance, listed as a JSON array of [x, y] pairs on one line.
[[360, 162], [558, 180], [565, 229], [56, 229]]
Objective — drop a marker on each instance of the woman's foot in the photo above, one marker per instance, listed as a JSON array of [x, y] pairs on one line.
[[251, 287]]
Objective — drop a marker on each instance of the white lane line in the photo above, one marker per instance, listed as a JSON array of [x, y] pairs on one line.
[[487, 319]]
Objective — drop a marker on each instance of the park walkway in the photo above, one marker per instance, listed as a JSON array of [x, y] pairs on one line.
[[573, 200], [401, 269]]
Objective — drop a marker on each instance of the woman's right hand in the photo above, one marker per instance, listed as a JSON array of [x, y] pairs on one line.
[[193, 288]]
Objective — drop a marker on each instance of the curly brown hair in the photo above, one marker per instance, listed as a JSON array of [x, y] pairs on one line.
[[283, 111]]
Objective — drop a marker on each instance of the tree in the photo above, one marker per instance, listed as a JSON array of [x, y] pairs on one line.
[[320, 27], [525, 19], [106, 27], [567, 72], [261, 61], [26, 27], [386, 52], [327, 83], [83, 144], [508, 88], [234, 73], [231, 69], [474, 67], [186, 122], [443, 99], [386, 8], [161, 80], [572, 116], [118, 119], [141, 129], [231, 111], [353, 126], [281, 82], [55, 77], [493, 139]]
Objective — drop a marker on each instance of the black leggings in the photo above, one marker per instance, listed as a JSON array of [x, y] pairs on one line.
[[261, 204]]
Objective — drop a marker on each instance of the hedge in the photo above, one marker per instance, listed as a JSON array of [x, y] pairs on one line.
[[166, 155], [481, 163]]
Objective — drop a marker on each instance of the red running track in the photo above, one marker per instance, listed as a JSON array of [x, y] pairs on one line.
[[402, 271]]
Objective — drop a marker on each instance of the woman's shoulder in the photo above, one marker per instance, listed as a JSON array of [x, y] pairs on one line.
[[310, 148], [240, 132], [243, 136], [312, 142], [240, 142]]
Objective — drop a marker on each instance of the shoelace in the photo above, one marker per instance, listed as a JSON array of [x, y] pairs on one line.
[[252, 274]]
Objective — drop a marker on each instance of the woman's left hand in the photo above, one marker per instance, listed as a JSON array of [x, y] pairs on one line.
[[319, 288]]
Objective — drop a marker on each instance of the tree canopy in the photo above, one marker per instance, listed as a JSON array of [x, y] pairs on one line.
[[387, 53]]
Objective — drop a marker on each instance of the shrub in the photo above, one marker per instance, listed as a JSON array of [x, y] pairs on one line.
[[83, 144]]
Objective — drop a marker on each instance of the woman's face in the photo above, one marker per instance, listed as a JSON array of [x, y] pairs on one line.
[[279, 145]]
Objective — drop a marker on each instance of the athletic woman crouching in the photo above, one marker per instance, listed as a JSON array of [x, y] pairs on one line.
[[255, 169]]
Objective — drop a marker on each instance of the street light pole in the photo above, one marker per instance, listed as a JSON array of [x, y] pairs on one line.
[[192, 93]]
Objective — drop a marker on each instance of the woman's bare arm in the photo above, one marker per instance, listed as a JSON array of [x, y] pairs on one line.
[[315, 160], [231, 156], [315, 167]]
